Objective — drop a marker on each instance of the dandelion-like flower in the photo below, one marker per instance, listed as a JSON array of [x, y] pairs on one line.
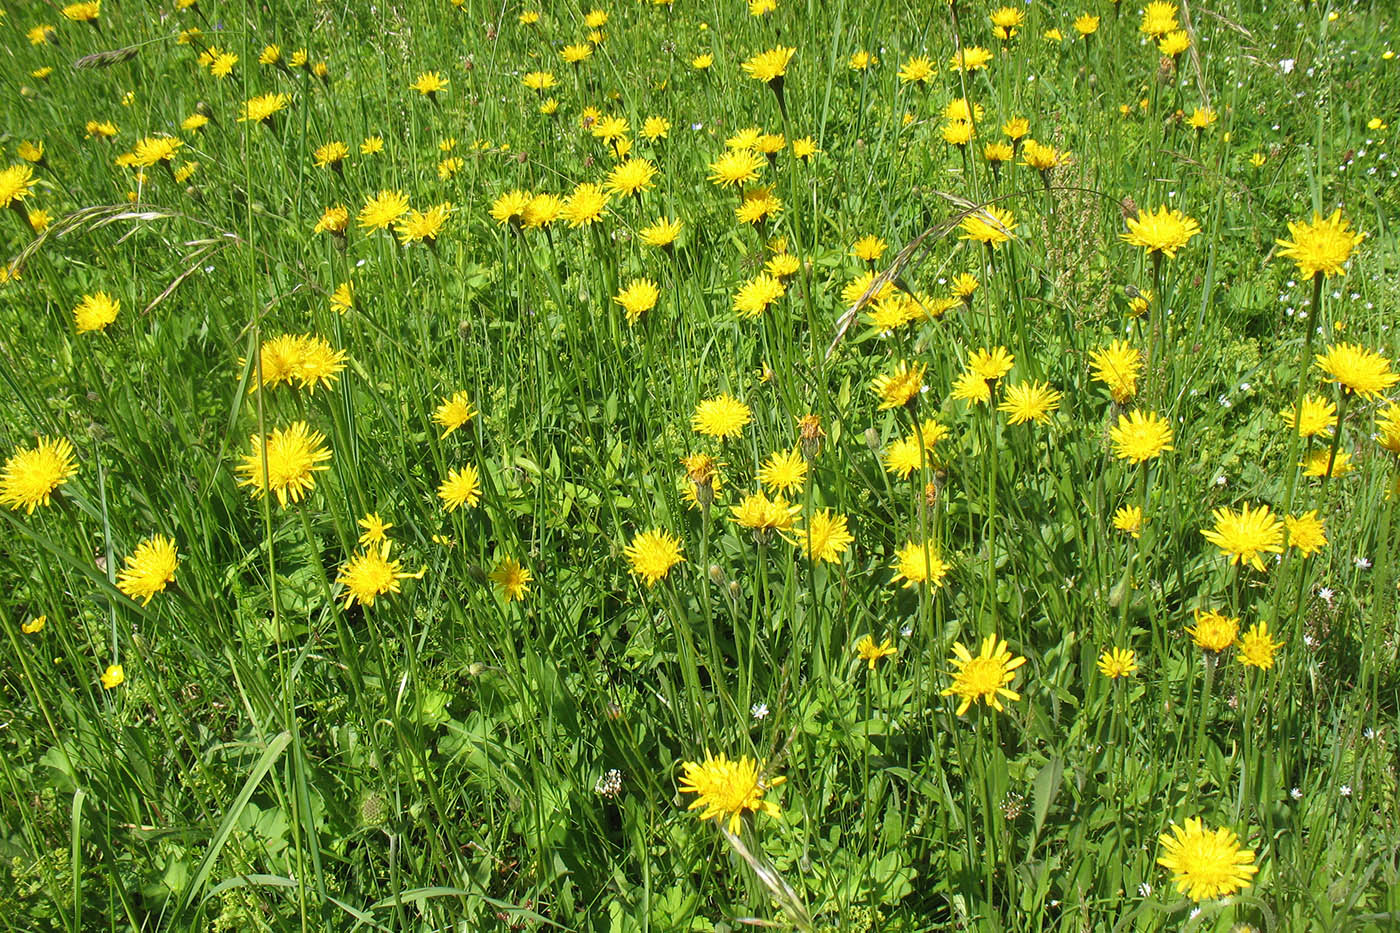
[[148, 569], [1141, 436], [915, 564], [1321, 246], [1316, 417], [871, 651], [736, 167], [1244, 535], [1306, 532], [1029, 401], [262, 108], [114, 676], [1205, 863], [1165, 231], [990, 225], [16, 183], [454, 411], [769, 66], [461, 487], [1128, 519], [1118, 662], [661, 234], [383, 209], [986, 677], [586, 205], [637, 298], [631, 177], [375, 528], [757, 294], [371, 574], [1257, 647], [899, 387], [1357, 369], [429, 83], [294, 455], [918, 70], [653, 554], [721, 416], [725, 790], [95, 312], [511, 579], [32, 474], [1214, 631], [784, 471], [825, 538]]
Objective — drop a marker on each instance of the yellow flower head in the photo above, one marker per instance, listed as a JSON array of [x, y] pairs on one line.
[[511, 579], [429, 83], [915, 564], [333, 220], [653, 554], [870, 651], [721, 416], [769, 66], [1128, 520], [113, 677], [825, 538], [784, 471], [1029, 401], [294, 455], [383, 209], [990, 225], [1118, 662], [34, 626], [764, 515], [736, 167], [1141, 436], [95, 312], [661, 234], [1205, 863], [983, 678], [1214, 631], [1316, 417], [376, 530], [1165, 231], [1257, 648], [262, 108], [631, 177], [900, 386], [454, 411], [1118, 366], [586, 205], [371, 574], [1306, 532], [972, 58], [1357, 369], [726, 790], [1244, 535], [32, 474], [148, 569], [918, 70], [461, 487], [637, 298]]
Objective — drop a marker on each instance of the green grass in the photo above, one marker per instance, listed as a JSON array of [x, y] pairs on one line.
[[277, 760]]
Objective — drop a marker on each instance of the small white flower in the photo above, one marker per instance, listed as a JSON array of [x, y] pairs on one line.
[[1309, 641], [1195, 912], [1362, 563], [1296, 793], [906, 631], [1145, 889], [609, 785], [1220, 480], [1344, 790], [1325, 594], [759, 711], [1369, 735], [1286, 65]]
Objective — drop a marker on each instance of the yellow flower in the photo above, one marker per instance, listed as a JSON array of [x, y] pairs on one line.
[[461, 487], [1205, 864], [637, 298], [991, 364], [702, 61], [383, 209], [429, 83], [804, 148], [455, 411], [262, 108], [869, 248], [423, 225], [294, 455], [1317, 416], [860, 60], [1118, 662], [32, 474], [784, 471], [573, 54], [86, 12], [1029, 401], [825, 538], [1388, 428], [511, 579], [330, 154], [1357, 369], [372, 145], [661, 234], [769, 66], [971, 387], [899, 387], [1174, 43], [343, 298], [726, 789], [985, 677], [95, 312], [586, 205], [1317, 462], [917, 70], [763, 515], [1128, 519], [1165, 231], [510, 208], [1140, 436], [375, 528], [1118, 366], [735, 167], [333, 220], [972, 58], [34, 626], [1086, 25], [1306, 532], [1214, 631], [113, 677], [371, 574], [990, 225], [1202, 118], [654, 128], [631, 177], [539, 80], [1257, 648], [1244, 535], [721, 416], [915, 564], [870, 651], [148, 569], [653, 554], [1158, 19]]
